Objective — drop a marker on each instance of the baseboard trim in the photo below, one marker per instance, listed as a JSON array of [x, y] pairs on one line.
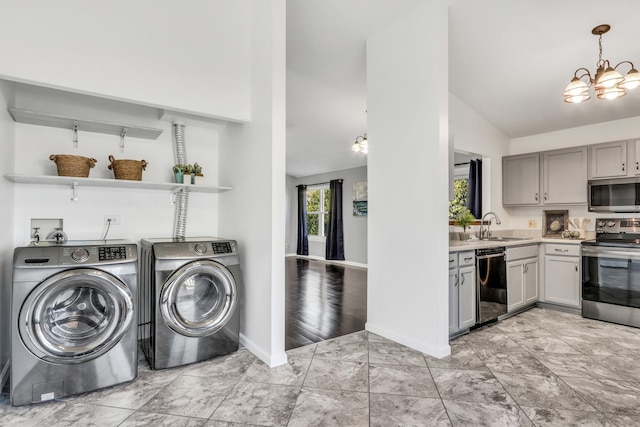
[[559, 307], [317, 258], [271, 360], [410, 342]]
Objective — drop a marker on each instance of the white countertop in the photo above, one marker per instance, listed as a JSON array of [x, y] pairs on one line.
[[466, 245]]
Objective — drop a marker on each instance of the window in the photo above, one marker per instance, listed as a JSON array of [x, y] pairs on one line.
[[318, 204], [460, 191]]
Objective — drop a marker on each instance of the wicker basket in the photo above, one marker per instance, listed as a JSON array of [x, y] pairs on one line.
[[69, 165], [127, 169]]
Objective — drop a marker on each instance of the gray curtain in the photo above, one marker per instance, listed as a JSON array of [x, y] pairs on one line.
[[474, 188], [303, 237], [335, 238]]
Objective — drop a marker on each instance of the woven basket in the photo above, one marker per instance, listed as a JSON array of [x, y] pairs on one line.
[[69, 165], [127, 169]]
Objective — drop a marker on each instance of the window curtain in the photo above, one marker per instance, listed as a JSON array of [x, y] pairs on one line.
[[335, 238], [303, 236], [474, 186]]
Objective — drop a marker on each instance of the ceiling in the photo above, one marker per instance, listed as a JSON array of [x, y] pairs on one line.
[[508, 60]]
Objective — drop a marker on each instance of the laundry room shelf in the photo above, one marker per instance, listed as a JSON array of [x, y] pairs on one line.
[[54, 120], [110, 183]]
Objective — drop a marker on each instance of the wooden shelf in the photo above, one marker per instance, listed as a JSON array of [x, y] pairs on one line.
[[54, 120], [111, 183]]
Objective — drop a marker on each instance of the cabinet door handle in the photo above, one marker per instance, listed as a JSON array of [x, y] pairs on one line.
[[456, 284], [536, 197], [462, 283], [561, 250], [526, 268], [637, 165], [622, 166], [576, 266], [451, 260], [469, 258], [545, 195]]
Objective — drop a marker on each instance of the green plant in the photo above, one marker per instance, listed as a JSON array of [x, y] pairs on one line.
[[197, 169], [178, 168], [188, 168], [464, 219]]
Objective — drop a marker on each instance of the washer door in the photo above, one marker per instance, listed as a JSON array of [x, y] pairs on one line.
[[199, 298], [76, 316]]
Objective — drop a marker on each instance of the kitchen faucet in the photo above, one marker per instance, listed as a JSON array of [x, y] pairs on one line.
[[489, 224]]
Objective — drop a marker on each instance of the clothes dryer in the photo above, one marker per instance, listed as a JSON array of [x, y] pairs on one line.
[[73, 316], [190, 297]]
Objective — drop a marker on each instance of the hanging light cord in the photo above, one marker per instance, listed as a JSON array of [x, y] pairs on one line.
[[108, 227]]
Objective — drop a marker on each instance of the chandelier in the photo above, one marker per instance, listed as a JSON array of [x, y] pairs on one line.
[[607, 81], [361, 145]]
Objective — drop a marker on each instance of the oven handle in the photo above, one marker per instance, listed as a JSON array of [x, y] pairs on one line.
[[610, 253]]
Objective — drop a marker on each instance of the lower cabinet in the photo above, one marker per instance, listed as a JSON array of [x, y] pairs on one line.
[[462, 290], [522, 276], [562, 274]]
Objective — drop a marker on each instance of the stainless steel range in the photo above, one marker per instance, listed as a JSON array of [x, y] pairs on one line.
[[611, 272]]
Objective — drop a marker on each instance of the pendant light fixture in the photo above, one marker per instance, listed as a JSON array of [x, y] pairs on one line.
[[361, 145], [607, 82]]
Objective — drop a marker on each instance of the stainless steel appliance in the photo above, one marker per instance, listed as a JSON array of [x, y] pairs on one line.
[[611, 272], [492, 284], [614, 195], [190, 297], [73, 311]]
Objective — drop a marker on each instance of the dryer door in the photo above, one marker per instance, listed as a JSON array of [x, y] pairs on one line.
[[199, 298], [76, 315]]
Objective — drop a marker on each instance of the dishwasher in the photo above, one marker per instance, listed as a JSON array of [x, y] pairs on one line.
[[491, 268]]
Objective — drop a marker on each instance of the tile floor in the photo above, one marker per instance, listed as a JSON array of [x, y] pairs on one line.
[[542, 367]]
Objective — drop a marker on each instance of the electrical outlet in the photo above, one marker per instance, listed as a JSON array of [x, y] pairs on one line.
[[533, 223], [115, 219]]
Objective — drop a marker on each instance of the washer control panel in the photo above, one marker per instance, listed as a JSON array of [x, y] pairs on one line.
[[110, 253], [222, 247]]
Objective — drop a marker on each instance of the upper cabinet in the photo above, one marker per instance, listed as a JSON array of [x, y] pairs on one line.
[[521, 180], [562, 176], [614, 159]]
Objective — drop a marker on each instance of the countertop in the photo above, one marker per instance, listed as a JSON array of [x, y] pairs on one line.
[[466, 245]]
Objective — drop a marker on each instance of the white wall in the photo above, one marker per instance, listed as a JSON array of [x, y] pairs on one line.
[[473, 133], [143, 213], [616, 130], [253, 162], [6, 222], [192, 56], [355, 227], [408, 158]]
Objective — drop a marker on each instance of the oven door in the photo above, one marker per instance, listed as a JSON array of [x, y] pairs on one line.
[[611, 275]]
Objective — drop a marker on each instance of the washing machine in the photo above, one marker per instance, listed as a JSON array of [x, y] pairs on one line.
[[73, 311], [190, 295]]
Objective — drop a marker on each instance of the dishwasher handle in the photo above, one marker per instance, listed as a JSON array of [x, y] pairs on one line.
[[503, 254]]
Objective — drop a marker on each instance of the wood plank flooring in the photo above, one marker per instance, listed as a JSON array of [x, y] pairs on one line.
[[322, 301]]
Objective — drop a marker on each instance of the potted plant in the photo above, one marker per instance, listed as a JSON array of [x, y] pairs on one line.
[[197, 177], [188, 170], [178, 172], [464, 219]]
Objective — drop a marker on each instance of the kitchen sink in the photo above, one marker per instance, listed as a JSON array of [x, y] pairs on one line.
[[503, 239]]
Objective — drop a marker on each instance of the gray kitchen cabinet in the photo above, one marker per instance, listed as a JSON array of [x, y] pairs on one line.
[[564, 176], [521, 180], [453, 301], [522, 276], [462, 291], [608, 160], [467, 297], [562, 274]]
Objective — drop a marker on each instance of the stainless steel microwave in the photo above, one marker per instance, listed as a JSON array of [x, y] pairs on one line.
[[614, 195]]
